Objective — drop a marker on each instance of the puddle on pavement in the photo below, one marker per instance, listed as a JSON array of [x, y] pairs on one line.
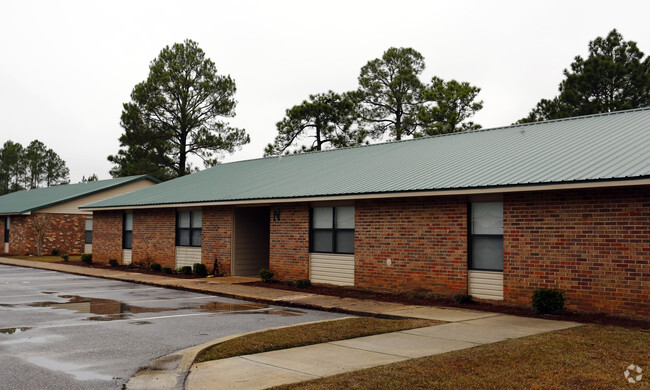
[[222, 307], [109, 309], [14, 330], [247, 308]]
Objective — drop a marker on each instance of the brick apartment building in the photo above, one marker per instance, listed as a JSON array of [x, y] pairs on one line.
[[70, 229], [495, 213]]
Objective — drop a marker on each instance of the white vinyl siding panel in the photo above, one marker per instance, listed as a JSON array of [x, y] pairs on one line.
[[186, 255], [6, 247], [126, 256], [88, 248], [331, 268], [486, 284]]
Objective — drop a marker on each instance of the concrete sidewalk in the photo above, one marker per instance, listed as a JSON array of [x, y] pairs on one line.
[[467, 329], [464, 329]]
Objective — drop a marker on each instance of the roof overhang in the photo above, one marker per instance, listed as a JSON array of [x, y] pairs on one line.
[[409, 194]]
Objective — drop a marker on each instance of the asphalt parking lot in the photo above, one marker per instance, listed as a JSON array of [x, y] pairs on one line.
[[61, 331]]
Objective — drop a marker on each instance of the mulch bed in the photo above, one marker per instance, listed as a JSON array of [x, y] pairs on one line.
[[431, 299]]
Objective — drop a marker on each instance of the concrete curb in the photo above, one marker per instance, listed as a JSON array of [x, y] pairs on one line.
[[161, 374]]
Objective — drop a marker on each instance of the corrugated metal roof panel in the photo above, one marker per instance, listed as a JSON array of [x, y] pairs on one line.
[[38, 198], [597, 147]]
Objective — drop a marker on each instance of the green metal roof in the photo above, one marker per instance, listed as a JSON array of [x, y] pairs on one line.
[[31, 200], [581, 149]]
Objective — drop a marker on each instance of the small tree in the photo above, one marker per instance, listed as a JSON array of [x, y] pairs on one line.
[[40, 224], [326, 119]]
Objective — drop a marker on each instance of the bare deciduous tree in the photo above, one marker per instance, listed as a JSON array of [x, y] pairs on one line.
[[40, 225]]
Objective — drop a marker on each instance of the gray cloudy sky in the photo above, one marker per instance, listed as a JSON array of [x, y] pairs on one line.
[[66, 67]]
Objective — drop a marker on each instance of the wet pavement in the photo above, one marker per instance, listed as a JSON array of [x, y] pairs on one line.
[[62, 331]]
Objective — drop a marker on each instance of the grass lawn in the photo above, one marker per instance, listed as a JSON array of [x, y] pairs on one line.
[[587, 357], [49, 259], [297, 336]]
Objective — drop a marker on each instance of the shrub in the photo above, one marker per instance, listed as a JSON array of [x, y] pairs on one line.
[[167, 270], [56, 252], [146, 263], [266, 275], [187, 270], [112, 263], [463, 298], [156, 267], [87, 258], [65, 257], [200, 269], [303, 283], [548, 300]]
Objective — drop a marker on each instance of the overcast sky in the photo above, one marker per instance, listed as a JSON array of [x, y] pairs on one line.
[[66, 67]]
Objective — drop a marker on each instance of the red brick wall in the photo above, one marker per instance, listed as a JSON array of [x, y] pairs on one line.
[[216, 238], [289, 241], [426, 240], [595, 245], [107, 236], [66, 232], [154, 236]]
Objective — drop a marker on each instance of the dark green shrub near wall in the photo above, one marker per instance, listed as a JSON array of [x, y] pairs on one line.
[[266, 275], [155, 267], [463, 298], [548, 300], [200, 269], [167, 270], [65, 257], [87, 258], [112, 263], [187, 270], [303, 283], [56, 252]]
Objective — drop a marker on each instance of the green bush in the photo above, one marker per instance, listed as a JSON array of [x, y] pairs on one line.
[[112, 263], [65, 257], [187, 270], [87, 258], [167, 270], [548, 300], [56, 252], [155, 267], [266, 275], [200, 269], [463, 298], [303, 283]]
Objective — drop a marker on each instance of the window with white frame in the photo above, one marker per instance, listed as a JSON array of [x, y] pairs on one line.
[[486, 236], [89, 231], [188, 228], [332, 229]]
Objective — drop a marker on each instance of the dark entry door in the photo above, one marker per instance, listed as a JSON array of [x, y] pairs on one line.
[[252, 229]]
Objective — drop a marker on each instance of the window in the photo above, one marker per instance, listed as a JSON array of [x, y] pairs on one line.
[[332, 229], [127, 230], [188, 228], [486, 236], [89, 230], [7, 223]]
